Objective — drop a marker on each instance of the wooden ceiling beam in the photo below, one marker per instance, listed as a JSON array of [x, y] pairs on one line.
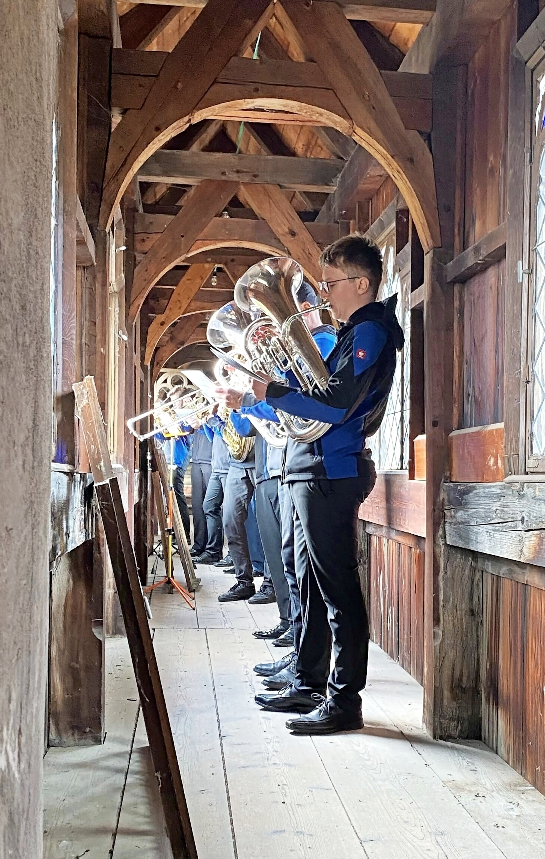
[[194, 278], [177, 337], [222, 30], [284, 80], [200, 205], [141, 24], [398, 11], [270, 204], [178, 167], [359, 180], [230, 231], [376, 122]]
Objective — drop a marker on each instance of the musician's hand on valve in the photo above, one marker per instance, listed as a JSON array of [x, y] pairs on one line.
[[260, 388], [231, 398]]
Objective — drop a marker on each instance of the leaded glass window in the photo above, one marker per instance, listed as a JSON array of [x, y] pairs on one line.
[[538, 321], [390, 445]]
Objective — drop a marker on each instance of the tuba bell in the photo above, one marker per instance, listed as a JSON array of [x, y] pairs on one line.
[[279, 342], [226, 330]]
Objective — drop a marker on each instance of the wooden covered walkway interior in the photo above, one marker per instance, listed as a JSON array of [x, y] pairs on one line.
[[257, 792]]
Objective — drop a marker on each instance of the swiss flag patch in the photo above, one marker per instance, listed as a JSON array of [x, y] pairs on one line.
[[361, 353]]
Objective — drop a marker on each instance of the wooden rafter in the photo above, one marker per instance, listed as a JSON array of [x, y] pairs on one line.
[[177, 337], [242, 78], [403, 11], [222, 29], [361, 177], [194, 278], [377, 124], [199, 207], [140, 25], [270, 204]]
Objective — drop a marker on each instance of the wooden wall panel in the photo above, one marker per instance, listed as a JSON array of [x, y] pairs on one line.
[[381, 198], [483, 324], [486, 134], [513, 674], [396, 601]]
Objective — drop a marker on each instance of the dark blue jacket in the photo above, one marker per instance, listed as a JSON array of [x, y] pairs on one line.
[[362, 367]]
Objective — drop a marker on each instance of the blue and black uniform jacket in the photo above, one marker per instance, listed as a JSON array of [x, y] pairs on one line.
[[362, 367]]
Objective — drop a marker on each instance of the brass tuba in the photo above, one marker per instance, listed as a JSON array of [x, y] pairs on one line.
[[280, 341], [226, 330]]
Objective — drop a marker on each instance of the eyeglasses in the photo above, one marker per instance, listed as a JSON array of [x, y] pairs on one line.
[[324, 285]]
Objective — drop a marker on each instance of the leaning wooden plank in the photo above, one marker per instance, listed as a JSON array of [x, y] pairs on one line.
[[131, 599], [145, 668]]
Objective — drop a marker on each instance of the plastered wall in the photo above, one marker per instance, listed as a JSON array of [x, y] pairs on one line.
[[27, 97]]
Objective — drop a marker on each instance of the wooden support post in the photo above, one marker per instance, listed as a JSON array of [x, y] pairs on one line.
[[452, 587], [129, 588]]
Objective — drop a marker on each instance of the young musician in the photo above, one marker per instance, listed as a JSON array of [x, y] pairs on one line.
[[328, 480]]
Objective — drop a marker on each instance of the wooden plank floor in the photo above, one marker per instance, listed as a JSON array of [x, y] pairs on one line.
[[255, 791]]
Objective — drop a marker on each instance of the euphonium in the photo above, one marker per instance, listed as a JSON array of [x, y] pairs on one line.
[[173, 404], [280, 341], [226, 330]]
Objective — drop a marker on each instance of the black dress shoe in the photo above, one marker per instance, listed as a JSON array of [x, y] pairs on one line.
[[206, 558], [268, 669], [327, 718], [258, 574], [284, 677], [275, 632], [237, 592], [285, 640], [264, 596], [195, 552], [225, 562], [289, 700]]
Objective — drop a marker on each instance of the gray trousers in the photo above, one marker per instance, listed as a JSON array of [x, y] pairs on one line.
[[200, 475], [239, 489], [270, 529]]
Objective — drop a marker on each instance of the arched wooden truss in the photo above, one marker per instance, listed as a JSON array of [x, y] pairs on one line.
[[357, 102]]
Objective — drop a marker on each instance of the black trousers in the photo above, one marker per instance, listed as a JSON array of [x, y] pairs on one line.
[[200, 475], [331, 598], [178, 485], [267, 505]]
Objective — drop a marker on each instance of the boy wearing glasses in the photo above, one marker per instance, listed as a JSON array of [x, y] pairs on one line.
[[328, 479]]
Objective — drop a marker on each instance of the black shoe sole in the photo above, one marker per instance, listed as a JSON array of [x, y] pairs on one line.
[[317, 728], [289, 708], [234, 599], [278, 643], [277, 685], [265, 637]]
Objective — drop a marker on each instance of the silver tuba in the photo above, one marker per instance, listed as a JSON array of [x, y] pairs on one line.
[[175, 401], [226, 330], [279, 341]]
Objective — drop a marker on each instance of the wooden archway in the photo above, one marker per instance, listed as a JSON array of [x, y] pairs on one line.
[[181, 95]]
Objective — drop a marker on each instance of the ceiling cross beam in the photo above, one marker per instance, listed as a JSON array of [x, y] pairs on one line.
[[194, 278], [199, 206]]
